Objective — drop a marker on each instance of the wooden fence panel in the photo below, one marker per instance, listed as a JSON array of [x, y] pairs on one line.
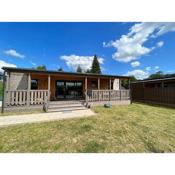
[[164, 95]]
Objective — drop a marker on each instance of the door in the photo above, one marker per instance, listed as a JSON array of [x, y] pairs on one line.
[[60, 90], [69, 89]]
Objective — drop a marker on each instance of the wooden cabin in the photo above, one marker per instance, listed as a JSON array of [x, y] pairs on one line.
[[37, 88]]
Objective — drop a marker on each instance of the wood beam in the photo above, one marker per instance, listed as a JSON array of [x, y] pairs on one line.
[[28, 89], [49, 83], [98, 83], [49, 87], [85, 83], [120, 84]]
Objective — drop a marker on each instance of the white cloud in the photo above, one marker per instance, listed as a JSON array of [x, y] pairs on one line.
[[13, 53], [85, 62], [5, 64], [148, 68], [139, 74], [156, 67], [32, 63], [160, 44], [131, 46], [135, 64]]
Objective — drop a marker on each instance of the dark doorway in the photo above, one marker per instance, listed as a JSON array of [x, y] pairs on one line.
[[69, 89]]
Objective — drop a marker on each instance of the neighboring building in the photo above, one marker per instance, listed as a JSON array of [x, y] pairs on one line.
[[35, 88], [160, 91]]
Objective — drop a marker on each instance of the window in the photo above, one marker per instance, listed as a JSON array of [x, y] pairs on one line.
[[34, 84]]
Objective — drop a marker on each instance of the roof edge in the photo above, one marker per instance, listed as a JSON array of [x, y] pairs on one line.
[[60, 72]]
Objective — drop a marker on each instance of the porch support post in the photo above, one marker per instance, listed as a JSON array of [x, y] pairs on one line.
[[98, 89], [28, 89], [109, 89], [86, 89], [49, 87], [120, 84], [98, 83]]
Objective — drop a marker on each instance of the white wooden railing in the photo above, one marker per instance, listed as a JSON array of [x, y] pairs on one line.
[[24, 97], [107, 95]]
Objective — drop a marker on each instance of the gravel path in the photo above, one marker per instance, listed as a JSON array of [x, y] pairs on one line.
[[43, 117]]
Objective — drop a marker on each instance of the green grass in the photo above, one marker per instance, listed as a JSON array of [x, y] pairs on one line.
[[133, 128], [27, 111]]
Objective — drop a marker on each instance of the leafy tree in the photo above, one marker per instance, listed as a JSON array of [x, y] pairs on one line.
[[42, 67], [125, 82], [95, 66], [79, 69], [60, 69], [156, 75]]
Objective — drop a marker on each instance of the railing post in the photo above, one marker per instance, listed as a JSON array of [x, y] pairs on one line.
[[49, 87], [28, 90]]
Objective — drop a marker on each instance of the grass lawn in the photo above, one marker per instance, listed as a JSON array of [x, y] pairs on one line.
[[33, 111], [133, 128]]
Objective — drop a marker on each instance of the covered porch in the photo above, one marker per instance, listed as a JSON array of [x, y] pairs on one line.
[[31, 88]]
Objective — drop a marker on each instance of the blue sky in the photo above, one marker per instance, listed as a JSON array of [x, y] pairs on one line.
[[123, 48]]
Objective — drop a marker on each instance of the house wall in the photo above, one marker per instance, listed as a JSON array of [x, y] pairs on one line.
[[17, 81]]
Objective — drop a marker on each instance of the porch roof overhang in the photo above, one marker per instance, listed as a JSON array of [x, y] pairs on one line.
[[52, 72], [154, 80]]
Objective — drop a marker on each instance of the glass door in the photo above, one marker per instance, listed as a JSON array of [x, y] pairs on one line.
[[60, 89], [69, 89]]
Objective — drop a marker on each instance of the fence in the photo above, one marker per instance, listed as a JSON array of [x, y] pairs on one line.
[[161, 95]]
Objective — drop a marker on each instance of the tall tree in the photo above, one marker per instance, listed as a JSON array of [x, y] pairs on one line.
[[95, 66], [60, 69], [42, 67], [79, 69]]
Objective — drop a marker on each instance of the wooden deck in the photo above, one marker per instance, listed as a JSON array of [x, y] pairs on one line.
[[24, 99]]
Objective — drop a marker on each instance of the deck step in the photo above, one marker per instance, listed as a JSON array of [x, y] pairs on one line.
[[63, 106], [65, 102], [65, 109]]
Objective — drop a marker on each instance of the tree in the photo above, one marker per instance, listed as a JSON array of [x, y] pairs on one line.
[[88, 71], [42, 67], [125, 82], [95, 66], [79, 69], [60, 69], [156, 75]]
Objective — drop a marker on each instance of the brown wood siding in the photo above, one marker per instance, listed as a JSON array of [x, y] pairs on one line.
[[43, 82]]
